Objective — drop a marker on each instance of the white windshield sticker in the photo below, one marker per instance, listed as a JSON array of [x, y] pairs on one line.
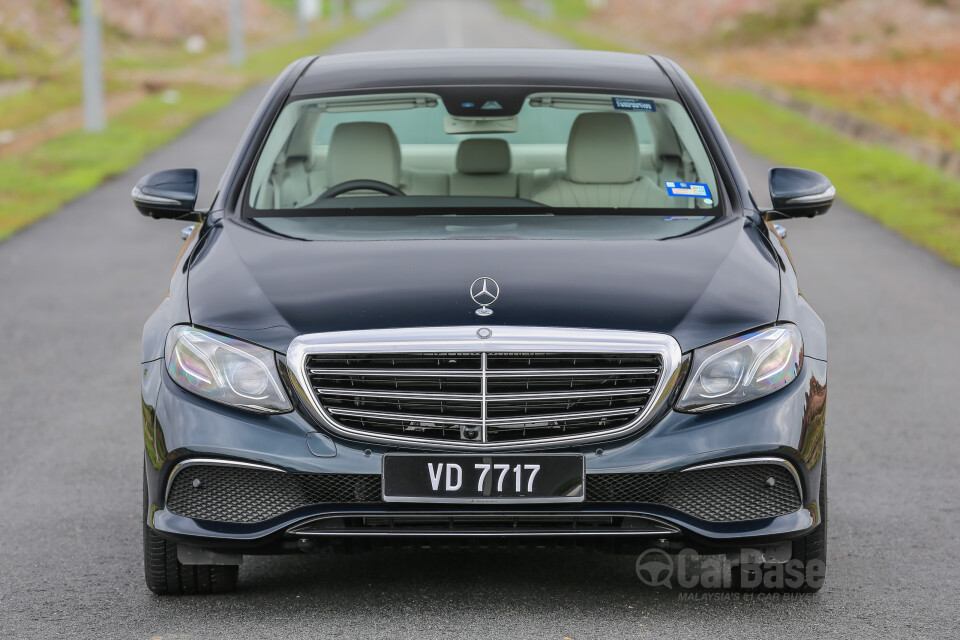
[[634, 104]]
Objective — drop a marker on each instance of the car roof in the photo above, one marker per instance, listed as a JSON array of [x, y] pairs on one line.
[[553, 69]]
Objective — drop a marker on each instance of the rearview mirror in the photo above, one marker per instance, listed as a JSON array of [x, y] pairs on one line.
[[800, 193], [168, 194]]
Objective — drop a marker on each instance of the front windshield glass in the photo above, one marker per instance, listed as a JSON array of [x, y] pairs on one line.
[[404, 154]]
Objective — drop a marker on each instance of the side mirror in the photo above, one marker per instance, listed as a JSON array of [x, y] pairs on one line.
[[168, 194], [800, 193]]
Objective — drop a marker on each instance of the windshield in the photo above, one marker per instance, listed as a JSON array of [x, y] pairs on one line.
[[559, 154]]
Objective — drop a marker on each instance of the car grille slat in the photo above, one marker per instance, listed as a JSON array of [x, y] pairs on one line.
[[402, 395], [483, 397], [523, 373], [561, 395], [583, 415], [413, 373], [402, 417]]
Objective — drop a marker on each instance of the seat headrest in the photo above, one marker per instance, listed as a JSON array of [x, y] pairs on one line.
[[300, 144], [665, 141], [363, 151], [483, 155], [603, 149]]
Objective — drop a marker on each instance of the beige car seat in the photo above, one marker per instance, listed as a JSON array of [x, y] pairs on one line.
[[483, 169], [603, 164], [363, 151]]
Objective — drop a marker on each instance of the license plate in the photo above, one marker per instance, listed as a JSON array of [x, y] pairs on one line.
[[483, 479]]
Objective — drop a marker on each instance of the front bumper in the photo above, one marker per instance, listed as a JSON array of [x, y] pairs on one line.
[[787, 426]]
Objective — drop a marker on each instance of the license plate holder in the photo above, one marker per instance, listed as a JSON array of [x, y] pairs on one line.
[[483, 478]]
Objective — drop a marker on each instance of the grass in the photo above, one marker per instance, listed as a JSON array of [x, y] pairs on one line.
[[788, 20], [37, 103], [38, 181], [42, 179], [897, 115], [916, 200], [911, 198]]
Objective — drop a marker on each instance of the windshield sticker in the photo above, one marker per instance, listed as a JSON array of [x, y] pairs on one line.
[[687, 190], [634, 104], [672, 218]]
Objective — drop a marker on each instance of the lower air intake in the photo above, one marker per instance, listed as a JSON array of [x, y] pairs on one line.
[[237, 494], [721, 494]]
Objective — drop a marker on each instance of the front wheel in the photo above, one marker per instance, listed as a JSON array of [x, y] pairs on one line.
[[166, 575], [811, 550], [808, 558]]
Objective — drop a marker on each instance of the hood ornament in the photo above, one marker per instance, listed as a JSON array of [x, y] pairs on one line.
[[484, 292]]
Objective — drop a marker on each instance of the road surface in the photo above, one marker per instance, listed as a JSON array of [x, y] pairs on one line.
[[77, 286]]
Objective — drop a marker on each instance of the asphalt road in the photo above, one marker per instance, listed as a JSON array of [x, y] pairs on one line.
[[76, 287]]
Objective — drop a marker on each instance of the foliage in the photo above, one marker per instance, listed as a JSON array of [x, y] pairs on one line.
[[912, 198], [788, 19], [907, 196], [40, 180]]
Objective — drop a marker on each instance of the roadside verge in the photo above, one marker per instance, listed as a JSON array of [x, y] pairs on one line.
[[38, 180], [916, 200]]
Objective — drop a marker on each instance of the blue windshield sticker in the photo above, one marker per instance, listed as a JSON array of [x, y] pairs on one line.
[[634, 104], [687, 190]]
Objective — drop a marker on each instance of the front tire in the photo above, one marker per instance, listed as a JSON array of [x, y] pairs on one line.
[[166, 575], [809, 552], [812, 548]]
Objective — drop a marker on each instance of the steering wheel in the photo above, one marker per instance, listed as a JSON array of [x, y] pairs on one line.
[[366, 185]]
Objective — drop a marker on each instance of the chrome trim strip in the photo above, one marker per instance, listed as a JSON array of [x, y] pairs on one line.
[[827, 194], [483, 395], [666, 528], [473, 397], [496, 373], [566, 395], [137, 194], [547, 373], [410, 417], [403, 417], [483, 534], [580, 415], [505, 339], [739, 462], [401, 373], [408, 395], [214, 462]]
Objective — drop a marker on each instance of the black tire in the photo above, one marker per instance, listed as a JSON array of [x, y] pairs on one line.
[[813, 546], [810, 551], [167, 576]]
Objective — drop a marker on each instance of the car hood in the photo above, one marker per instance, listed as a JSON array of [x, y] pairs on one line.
[[268, 289]]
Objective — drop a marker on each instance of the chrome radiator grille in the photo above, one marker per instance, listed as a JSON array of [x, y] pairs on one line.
[[484, 397]]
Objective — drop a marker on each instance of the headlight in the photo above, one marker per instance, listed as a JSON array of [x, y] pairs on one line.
[[743, 368], [225, 370]]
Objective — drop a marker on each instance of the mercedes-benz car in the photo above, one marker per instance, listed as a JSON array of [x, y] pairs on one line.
[[498, 297]]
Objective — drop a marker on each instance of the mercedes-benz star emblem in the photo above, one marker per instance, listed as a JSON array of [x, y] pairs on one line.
[[484, 292]]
